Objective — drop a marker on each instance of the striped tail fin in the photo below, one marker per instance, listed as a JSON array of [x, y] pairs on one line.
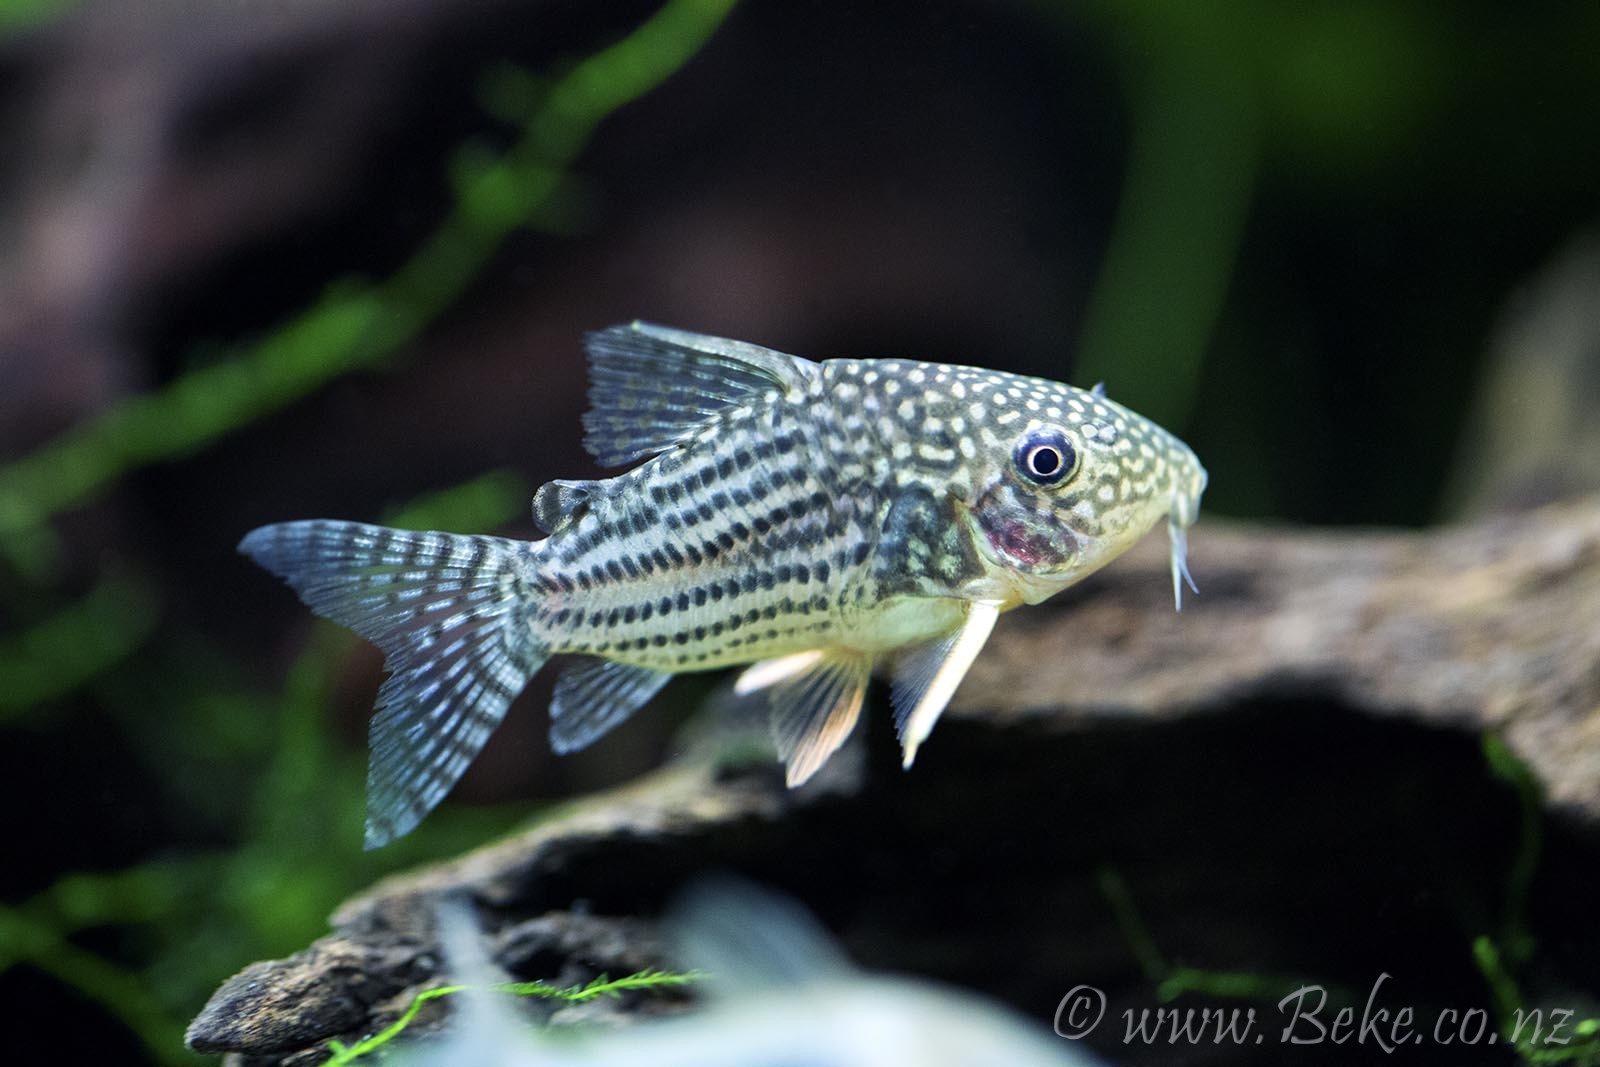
[[453, 617]]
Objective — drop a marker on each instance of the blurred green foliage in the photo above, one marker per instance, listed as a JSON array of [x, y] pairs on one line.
[[1181, 215], [356, 323], [195, 918], [22, 14]]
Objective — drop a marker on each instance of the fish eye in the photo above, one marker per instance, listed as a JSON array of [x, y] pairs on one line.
[[1045, 457]]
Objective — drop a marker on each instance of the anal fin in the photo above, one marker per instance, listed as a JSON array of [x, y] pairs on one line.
[[926, 679], [594, 697], [815, 699]]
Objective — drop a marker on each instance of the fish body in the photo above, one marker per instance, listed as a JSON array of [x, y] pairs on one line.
[[806, 518]]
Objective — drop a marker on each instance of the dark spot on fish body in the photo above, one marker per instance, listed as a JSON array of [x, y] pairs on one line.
[[919, 538]]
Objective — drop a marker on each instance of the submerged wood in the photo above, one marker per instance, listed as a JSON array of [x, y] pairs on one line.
[[1325, 682]]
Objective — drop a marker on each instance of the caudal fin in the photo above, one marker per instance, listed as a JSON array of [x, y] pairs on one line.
[[452, 615]]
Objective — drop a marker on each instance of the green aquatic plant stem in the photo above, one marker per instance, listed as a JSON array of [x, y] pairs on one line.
[[120, 993], [600, 987], [1190, 175], [1581, 1046], [1515, 938], [1497, 959], [78, 642], [1513, 1016], [1172, 982], [354, 324]]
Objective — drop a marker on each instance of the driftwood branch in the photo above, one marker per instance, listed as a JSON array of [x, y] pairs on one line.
[[1335, 774]]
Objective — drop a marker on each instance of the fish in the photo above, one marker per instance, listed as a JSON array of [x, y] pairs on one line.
[[807, 521], [777, 991]]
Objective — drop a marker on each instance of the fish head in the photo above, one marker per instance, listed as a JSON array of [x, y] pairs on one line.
[[1065, 480]]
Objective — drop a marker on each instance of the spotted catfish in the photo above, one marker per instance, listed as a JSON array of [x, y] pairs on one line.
[[806, 518]]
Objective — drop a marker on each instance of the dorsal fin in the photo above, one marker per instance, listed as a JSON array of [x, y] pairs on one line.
[[556, 501], [650, 387]]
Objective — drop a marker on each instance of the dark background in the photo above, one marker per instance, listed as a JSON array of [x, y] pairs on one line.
[[1347, 250]]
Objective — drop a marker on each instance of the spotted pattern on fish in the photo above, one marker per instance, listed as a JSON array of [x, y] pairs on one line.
[[808, 518]]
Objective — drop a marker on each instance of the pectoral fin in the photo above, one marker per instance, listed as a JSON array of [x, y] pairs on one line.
[[926, 679], [815, 699]]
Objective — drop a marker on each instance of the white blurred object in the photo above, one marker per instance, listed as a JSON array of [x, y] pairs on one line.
[[779, 995]]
